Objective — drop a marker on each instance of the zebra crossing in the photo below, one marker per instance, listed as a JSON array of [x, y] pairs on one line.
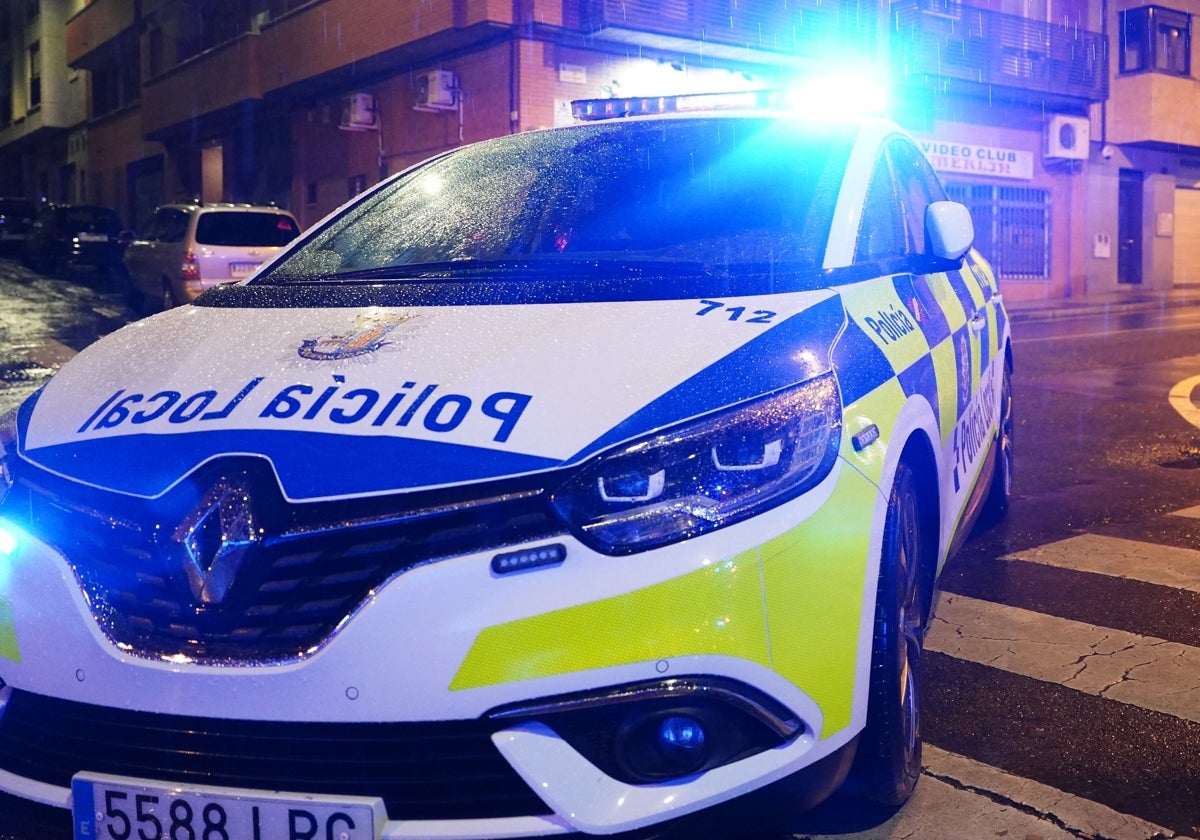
[[1078, 724]]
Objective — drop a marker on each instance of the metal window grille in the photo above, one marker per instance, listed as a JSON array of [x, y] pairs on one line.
[[1012, 227]]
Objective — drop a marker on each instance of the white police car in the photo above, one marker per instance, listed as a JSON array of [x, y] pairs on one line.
[[567, 482]]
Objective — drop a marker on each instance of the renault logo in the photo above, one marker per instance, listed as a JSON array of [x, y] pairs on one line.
[[216, 538]]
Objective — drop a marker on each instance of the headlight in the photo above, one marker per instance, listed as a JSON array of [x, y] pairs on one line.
[[706, 473]]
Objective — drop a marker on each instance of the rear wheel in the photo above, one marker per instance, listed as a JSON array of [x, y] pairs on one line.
[[888, 762]]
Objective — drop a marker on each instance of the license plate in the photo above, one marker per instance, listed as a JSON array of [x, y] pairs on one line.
[[239, 270], [92, 237], [120, 808]]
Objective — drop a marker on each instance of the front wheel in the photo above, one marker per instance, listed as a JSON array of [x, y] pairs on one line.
[[888, 762]]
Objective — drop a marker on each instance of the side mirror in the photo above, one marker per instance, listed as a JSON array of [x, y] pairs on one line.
[[948, 229]]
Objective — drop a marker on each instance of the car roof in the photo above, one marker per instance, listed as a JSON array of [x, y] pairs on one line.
[[223, 207]]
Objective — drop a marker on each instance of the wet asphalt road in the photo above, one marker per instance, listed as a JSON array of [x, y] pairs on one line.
[[1100, 451], [44, 321]]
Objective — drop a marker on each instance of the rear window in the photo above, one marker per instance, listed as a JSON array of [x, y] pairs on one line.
[[91, 219], [245, 228]]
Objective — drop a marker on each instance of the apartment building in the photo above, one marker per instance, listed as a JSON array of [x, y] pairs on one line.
[[1068, 126]]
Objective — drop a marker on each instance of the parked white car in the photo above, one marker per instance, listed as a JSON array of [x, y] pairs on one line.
[[187, 249]]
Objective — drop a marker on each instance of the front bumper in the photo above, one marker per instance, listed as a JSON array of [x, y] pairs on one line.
[[696, 609]]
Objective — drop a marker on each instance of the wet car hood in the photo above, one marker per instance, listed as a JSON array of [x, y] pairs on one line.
[[348, 402]]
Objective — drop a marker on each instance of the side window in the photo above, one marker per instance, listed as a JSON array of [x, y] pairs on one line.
[[153, 232], [172, 224], [881, 235], [918, 186]]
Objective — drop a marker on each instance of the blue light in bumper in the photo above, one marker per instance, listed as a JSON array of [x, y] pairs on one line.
[[681, 735], [530, 558]]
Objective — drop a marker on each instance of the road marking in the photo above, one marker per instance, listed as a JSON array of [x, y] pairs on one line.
[[1180, 398], [1148, 562], [1081, 817], [1190, 513], [1140, 670]]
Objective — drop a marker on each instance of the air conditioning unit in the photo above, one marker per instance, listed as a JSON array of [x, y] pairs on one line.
[[359, 112], [1067, 137], [437, 90]]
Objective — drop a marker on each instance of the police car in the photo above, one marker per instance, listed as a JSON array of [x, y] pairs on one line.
[[568, 482]]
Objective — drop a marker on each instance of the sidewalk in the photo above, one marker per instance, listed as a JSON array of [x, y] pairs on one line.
[[1109, 303]]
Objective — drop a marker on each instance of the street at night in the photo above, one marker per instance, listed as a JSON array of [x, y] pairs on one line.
[[1062, 698]]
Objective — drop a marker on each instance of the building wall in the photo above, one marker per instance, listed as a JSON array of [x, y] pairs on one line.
[[286, 123]]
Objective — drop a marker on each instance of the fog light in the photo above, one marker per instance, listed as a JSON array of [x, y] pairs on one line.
[[669, 743], [681, 738], [663, 730]]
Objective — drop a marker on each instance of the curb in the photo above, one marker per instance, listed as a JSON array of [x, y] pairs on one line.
[[1024, 313]]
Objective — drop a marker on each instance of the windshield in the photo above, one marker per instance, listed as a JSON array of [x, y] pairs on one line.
[[710, 195]]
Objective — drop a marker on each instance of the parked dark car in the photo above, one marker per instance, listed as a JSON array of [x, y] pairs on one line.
[[67, 236], [16, 215]]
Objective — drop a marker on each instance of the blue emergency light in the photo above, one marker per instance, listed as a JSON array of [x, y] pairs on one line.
[[8, 540], [825, 97]]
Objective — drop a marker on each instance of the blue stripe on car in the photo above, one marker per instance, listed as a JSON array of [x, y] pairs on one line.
[[794, 351], [310, 465]]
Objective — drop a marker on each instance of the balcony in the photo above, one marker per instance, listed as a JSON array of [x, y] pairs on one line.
[[961, 49], [738, 29], [1156, 110], [97, 24], [325, 46]]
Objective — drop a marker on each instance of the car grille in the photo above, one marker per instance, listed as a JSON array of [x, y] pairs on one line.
[[308, 569], [431, 770]]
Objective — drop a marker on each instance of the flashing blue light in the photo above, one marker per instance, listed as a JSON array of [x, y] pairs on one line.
[[680, 735], [8, 541], [834, 97]]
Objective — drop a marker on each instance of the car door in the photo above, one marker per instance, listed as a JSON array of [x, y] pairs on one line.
[[960, 306], [151, 256], [926, 317]]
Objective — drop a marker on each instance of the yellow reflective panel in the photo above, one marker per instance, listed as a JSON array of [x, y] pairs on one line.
[[715, 610], [815, 580], [879, 407], [8, 633]]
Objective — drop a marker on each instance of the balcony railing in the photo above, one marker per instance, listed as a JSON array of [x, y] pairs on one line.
[[951, 41], [816, 28]]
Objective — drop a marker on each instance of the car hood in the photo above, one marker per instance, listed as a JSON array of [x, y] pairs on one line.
[[346, 402]]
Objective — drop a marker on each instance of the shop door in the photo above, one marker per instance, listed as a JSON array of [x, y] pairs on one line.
[[1129, 227]]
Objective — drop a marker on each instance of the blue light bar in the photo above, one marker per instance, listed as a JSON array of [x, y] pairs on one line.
[[819, 97], [602, 109]]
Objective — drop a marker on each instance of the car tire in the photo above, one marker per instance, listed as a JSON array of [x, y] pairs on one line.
[[888, 762], [995, 507]]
